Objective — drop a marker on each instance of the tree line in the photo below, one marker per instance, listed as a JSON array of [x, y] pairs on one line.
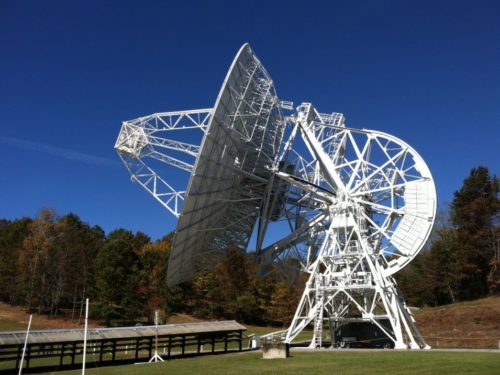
[[51, 263]]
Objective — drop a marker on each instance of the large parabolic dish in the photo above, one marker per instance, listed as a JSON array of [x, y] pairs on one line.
[[230, 176], [349, 206], [241, 138]]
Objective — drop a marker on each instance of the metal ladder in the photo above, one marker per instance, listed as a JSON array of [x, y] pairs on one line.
[[317, 340]]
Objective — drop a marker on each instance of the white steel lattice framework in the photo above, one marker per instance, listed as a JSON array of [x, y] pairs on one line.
[[146, 137], [353, 206]]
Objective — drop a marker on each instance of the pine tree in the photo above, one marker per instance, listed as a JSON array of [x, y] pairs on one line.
[[12, 235], [117, 277], [473, 211]]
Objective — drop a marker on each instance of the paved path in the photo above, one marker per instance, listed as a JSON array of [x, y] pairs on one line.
[[339, 350]]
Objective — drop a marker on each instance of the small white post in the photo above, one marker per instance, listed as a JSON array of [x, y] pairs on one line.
[[25, 345], [156, 357], [85, 335]]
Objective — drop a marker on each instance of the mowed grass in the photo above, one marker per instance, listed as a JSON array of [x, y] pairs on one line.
[[345, 363]]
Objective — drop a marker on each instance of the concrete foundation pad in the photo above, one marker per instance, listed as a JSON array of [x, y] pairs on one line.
[[275, 350]]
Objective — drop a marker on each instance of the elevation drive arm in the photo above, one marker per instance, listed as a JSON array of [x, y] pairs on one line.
[[327, 166]]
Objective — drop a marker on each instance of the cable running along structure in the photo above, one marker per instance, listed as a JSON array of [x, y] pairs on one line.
[[353, 206]]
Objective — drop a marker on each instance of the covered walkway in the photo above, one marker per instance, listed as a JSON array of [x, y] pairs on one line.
[[51, 350]]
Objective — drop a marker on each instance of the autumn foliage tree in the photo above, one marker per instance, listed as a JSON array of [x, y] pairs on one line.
[[233, 290], [54, 261], [152, 289]]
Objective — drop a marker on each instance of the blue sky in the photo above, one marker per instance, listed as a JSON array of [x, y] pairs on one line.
[[425, 71]]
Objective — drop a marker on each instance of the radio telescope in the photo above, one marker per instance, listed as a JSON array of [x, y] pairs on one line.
[[348, 206]]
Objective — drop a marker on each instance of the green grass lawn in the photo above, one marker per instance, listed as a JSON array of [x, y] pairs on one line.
[[344, 363], [11, 325], [14, 325]]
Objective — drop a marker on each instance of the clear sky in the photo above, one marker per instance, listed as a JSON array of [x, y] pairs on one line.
[[425, 71]]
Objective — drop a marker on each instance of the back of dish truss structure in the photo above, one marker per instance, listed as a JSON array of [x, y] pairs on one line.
[[348, 206]]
